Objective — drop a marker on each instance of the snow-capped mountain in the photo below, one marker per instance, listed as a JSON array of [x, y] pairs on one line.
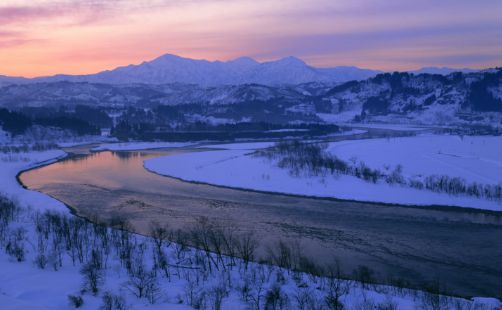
[[169, 69]]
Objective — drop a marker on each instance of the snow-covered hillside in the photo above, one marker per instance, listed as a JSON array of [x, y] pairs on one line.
[[66, 93], [424, 98], [428, 99]]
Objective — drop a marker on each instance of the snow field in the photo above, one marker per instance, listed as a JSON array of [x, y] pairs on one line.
[[475, 159]]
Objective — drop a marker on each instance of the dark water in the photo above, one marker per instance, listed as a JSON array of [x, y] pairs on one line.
[[459, 249]]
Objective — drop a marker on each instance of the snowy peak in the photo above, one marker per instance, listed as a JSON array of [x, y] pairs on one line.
[[244, 61], [290, 60], [169, 68]]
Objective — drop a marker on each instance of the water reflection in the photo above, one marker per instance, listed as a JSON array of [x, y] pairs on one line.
[[128, 155]]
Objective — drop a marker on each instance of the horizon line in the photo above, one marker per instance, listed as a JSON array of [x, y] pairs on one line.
[[140, 62]]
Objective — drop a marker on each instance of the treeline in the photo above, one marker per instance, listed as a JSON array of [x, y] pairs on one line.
[[481, 98], [206, 131], [18, 122], [313, 159], [209, 273], [25, 147]]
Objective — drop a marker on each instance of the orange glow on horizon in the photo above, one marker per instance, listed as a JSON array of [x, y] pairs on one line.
[[46, 37]]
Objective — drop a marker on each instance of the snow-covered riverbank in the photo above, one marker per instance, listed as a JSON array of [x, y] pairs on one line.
[[472, 158], [13, 163], [133, 146]]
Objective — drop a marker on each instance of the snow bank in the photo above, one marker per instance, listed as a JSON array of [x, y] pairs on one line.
[[12, 164], [131, 146], [239, 169], [240, 146], [347, 133], [405, 127]]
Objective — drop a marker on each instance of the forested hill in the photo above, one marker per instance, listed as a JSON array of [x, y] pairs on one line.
[[423, 98]]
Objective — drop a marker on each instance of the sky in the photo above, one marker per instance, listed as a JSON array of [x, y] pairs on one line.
[[45, 37]]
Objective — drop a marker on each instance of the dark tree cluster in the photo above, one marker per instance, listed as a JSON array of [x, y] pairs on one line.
[[481, 98], [18, 122], [14, 122], [313, 159]]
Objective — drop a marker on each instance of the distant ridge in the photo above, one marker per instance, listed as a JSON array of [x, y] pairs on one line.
[[442, 70], [169, 68]]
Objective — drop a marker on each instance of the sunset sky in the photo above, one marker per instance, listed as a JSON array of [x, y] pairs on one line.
[[44, 37]]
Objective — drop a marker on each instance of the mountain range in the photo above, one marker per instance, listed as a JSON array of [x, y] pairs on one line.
[[168, 69], [431, 99]]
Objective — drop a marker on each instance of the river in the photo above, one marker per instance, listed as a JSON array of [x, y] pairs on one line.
[[459, 249]]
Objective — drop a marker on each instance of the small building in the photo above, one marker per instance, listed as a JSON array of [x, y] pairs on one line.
[[106, 132]]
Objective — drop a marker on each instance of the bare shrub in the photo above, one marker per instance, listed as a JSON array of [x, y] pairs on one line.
[[113, 302], [281, 255], [306, 299], [336, 288], [142, 282], [217, 294], [75, 301], [364, 274], [276, 299], [15, 244], [160, 235]]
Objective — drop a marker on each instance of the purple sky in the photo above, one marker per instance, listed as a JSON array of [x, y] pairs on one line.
[[41, 37]]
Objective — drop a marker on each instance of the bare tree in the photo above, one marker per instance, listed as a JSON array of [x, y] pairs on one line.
[[246, 245], [93, 277], [337, 287]]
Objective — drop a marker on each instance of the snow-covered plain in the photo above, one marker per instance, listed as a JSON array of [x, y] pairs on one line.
[[25, 286], [473, 158], [238, 168]]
